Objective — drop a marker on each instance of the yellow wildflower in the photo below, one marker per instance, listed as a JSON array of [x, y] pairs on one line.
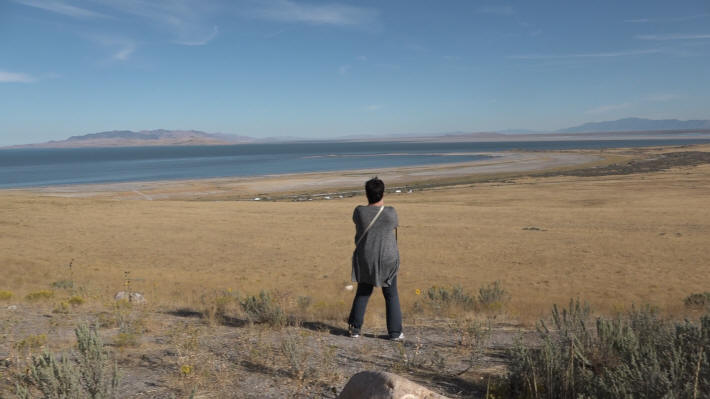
[[186, 369], [418, 291]]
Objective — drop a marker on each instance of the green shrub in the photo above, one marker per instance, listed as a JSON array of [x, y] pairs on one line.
[[76, 301], [304, 302], [126, 339], [54, 378], [5, 295], [294, 350], [40, 295], [264, 309], [63, 284], [697, 300], [98, 373], [634, 355], [440, 298], [31, 343], [215, 305], [93, 375], [61, 307], [493, 296]]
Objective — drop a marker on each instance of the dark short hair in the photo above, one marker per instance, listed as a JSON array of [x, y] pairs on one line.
[[374, 189]]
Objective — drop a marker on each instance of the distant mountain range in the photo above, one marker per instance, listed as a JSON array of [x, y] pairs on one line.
[[159, 137], [163, 137], [638, 124]]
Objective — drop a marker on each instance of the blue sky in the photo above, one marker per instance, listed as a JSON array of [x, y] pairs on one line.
[[328, 69]]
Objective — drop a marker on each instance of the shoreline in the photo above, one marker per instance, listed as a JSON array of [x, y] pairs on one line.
[[284, 186], [344, 183]]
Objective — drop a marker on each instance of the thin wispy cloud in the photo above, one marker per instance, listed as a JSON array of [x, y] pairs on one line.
[[416, 47], [62, 8], [120, 48], [275, 33], [373, 107], [343, 69], [609, 54], [16, 77], [361, 58], [662, 97], [496, 10], [674, 36], [200, 41], [124, 53], [187, 22], [670, 19], [654, 98], [316, 14], [637, 20], [602, 109]]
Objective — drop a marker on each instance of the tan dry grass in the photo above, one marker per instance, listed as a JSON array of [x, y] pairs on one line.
[[612, 240]]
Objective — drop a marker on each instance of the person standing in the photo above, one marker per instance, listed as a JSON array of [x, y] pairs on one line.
[[375, 261]]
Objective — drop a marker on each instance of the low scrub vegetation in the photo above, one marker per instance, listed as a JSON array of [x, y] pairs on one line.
[[263, 308], [638, 354], [76, 301], [698, 300], [88, 372], [63, 284], [39, 295], [31, 343], [216, 305], [5, 295], [491, 297]]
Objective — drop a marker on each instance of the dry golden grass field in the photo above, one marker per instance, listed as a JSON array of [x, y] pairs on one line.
[[612, 240]]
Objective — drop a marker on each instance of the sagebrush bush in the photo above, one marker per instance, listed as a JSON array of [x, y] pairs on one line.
[[39, 295], [294, 350], [697, 300], [93, 375], [216, 305], [61, 307], [63, 284], [53, 378], [31, 343], [493, 296], [633, 355], [5, 295], [76, 300], [304, 302], [440, 298], [263, 308], [98, 373]]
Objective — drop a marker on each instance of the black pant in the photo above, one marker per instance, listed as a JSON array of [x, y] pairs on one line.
[[394, 313]]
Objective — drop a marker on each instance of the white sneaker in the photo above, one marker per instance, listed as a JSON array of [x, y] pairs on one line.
[[353, 332], [400, 337]]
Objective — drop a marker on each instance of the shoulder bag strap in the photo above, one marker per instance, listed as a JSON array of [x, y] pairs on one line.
[[369, 225]]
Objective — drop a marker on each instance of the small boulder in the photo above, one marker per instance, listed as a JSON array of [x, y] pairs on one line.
[[133, 297], [381, 385]]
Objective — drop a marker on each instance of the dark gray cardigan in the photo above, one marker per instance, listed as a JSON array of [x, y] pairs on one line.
[[376, 259]]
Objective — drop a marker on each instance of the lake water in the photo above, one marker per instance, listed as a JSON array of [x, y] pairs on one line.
[[45, 167]]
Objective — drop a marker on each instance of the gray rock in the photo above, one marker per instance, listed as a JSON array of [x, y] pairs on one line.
[[381, 385], [133, 297]]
